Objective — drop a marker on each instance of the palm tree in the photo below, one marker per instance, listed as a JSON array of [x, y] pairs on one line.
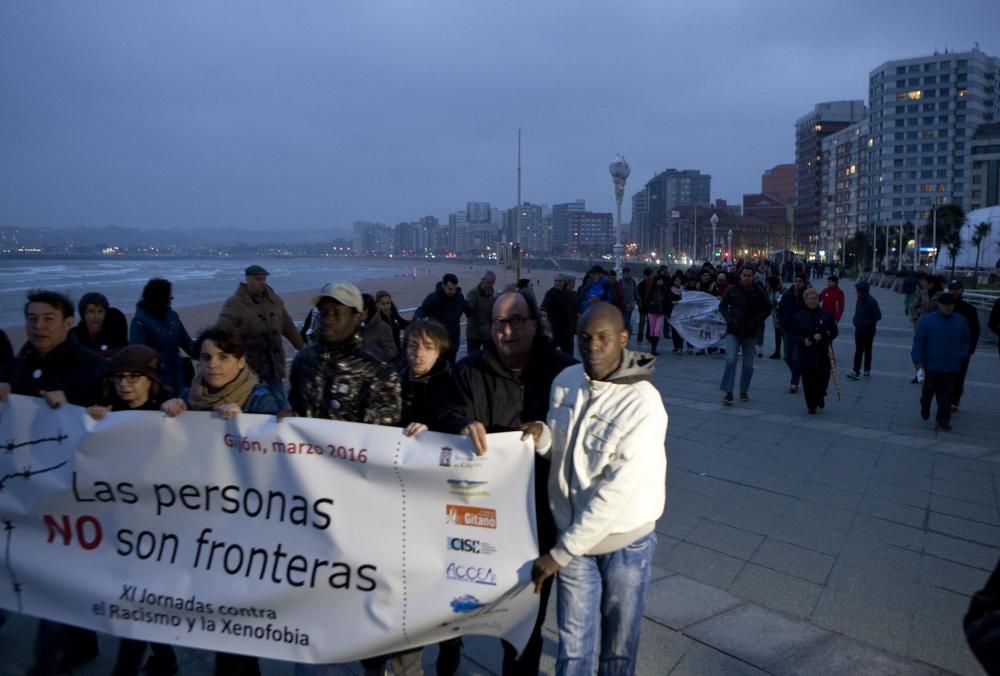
[[950, 217], [953, 241], [981, 233]]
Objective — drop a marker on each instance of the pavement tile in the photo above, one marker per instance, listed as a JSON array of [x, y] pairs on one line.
[[961, 491], [822, 425], [779, 418], [755, 635], [870, 529], [975, 478], [893, 511], [966, 510], [936, 635], [796, 561], [750, 498], [771, 481], [890, 575], [700, 483], [952, 576], [757, 521], [962, 528], [836, 655], [863, 618], [967, 464], [963, 450], [907, 441], [675, 522], [678, 601], [893, 471], [726, 539], [689, 501], [776, 590], [961, 551], [828, 495], [863, 432], [700, 660], [702, 564], [914, 497], [660, 649]]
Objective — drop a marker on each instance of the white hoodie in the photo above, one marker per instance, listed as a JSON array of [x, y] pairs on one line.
[[607, 485]]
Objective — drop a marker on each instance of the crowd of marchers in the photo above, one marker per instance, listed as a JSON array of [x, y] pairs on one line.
[[561, 371]]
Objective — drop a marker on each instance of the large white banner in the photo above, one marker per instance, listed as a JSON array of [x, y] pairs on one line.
[[698, 320], [303, 540]]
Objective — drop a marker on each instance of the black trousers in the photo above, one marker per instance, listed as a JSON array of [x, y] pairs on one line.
[[641, 331], [863, 341], [960, 385], [939, 385], [814, 383]]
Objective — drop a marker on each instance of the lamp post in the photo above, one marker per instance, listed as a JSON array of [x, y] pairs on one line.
[[619, 172], [715, 224], [730, 245]]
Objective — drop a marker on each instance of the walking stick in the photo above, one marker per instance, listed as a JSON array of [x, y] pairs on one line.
[[833, 371]]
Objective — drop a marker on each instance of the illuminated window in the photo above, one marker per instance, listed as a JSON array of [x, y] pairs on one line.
[[818, 127], [963, 91], [914, 94]]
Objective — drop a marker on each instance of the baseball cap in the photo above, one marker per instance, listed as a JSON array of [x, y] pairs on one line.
[[255, 270], [956, 284], [344, 293], [946, 299]]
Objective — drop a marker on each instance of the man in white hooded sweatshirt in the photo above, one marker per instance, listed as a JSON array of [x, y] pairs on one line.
[[605, 433]]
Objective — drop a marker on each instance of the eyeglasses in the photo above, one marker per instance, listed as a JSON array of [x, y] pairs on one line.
[[130, 378], [515, 322]]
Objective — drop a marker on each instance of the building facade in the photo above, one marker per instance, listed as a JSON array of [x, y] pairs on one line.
[[779, 181], [663, 194], [591, 234], [844, 171], [560, 224], [985, 177]]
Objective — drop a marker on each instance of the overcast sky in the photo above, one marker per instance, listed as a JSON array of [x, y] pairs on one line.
[[313, 114]]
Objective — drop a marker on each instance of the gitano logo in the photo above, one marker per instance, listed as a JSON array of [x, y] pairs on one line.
[[475, 574], [468, 488], [464, 515], [467, 603]]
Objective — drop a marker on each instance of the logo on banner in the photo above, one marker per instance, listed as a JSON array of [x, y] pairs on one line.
[[467, 603], [474, 574], [470, 546], [445, 460], [467, 488], [464, 515]]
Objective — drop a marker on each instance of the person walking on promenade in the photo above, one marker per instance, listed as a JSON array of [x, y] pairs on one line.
[[595, 288], [499, 389], [259, 315], [940, 343], [376, 335], [967, 310], [774, 290], [744, 307], [617, 292], [389, 313], [866, 315], [832, 298], [924, 303], [102, 329], [816, 330], [674, 296], [156, 325], [605, 504], [55, 367], [789, 307], [478, 308], [629, 297], [657, 304], [559, 309], [910, 286], [447, 305], [640, 293]]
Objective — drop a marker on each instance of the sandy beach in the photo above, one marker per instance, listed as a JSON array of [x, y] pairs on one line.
[[407, 291]]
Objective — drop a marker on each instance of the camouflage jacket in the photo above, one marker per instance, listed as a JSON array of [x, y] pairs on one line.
[[340, 381]]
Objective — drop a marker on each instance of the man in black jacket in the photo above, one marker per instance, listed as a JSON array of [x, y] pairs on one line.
[[52, 365], [500, 389], [744, 307], [559, 308], [447, 305], [866, 315], [967, 310]]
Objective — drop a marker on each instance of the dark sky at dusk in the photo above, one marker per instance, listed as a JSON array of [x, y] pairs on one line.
[[315, 114]]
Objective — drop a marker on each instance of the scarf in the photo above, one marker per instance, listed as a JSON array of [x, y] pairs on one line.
[[236, 391]]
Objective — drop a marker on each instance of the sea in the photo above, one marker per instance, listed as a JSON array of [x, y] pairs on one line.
[[196, 280]]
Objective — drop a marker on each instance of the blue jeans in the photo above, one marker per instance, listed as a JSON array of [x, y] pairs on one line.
[[749, 347], [792, 356], [606, 591]]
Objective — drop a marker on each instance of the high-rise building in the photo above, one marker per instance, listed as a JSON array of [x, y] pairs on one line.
[[640, 218], [666, 191], [985, 182], [844, 172], [923, 114], [525, 222], [591, 234], [779, 181], [560, 224], [810, 129], [372, 239]]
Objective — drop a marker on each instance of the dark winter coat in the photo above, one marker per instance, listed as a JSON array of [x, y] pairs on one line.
[[112, 336], [941, 342], [789, 308], [808, 323], [261, 321], [479, 308], [165, 335], [744, 310], [340, 381], [447, 310], [866, 311], [657, 299], [971, 315], [426, 399], [68, 367], [560, 308]]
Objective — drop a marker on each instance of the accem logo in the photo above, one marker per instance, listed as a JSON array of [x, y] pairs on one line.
[[470, 546], [472, 574]]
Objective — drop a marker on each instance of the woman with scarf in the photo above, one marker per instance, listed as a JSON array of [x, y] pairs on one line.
[[389, 313], [815, 330], [155, 324], [225, 385]]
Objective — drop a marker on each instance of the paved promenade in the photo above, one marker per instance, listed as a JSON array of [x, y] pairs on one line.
[[846, 542]]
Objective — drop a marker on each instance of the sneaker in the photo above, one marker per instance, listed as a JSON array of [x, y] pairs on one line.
[[728, 399], [744, 396], [853, 375], [868, 374], [760, 354], [925, 412], [793, 389], [954, 408], [914, 381]]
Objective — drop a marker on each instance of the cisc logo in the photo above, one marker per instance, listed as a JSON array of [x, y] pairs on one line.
[[466, 515], [470, 546], [475, 574]]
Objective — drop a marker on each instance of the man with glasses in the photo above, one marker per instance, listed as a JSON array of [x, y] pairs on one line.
[[500, 389]]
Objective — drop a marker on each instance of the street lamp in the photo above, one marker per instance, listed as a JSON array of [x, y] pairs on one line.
[[730, 245], [619, 172], [714, 220]]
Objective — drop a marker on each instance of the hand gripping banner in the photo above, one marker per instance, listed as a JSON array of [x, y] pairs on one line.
[[303, 540]]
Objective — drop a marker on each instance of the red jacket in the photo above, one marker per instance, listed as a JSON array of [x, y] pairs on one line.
[[831, 299]]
